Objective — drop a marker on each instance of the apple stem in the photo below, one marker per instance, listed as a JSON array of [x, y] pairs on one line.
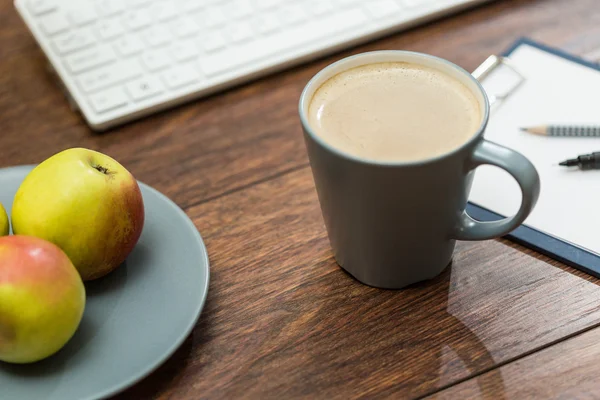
[[101, 169]]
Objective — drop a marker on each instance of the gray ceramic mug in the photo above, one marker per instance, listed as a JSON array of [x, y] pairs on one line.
[[392, 224]]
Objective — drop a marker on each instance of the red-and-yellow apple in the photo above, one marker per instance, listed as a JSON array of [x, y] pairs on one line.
[[86, 203], [42, 299], [4, 225]]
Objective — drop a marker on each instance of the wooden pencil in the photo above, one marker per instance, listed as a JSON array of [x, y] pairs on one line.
[[565, 130]]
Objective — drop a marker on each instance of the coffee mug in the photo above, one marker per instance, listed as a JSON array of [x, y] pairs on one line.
[[392, 224]]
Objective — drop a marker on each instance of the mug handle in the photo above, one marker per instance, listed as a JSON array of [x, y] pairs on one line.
[[525, 174]]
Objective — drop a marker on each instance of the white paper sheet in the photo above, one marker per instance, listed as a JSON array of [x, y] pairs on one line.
[[557, 91]]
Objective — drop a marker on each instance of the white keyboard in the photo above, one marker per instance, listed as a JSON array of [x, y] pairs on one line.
[[119, 60]]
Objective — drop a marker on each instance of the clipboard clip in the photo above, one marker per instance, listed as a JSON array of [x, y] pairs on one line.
[[490, 65]]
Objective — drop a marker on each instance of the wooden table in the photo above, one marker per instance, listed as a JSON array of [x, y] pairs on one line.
[[282, 320]]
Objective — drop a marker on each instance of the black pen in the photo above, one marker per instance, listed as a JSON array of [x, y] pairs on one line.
[[586, 161]]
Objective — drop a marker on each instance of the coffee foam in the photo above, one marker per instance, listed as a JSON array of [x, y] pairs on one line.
[[394, 112]]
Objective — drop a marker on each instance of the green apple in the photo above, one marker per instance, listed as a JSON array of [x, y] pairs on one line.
[[42, 299], [87, 204], [4, 225]]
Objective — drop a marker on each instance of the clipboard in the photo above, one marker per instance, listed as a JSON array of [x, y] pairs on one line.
[[551, 245]]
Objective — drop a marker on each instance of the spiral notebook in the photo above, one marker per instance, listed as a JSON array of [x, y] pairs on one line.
[[551, 87]]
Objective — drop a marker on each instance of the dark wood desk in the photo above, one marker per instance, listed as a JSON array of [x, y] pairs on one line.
[[282, 320]]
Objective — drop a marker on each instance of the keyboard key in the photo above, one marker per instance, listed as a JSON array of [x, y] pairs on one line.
[[109, 75], [240, 9], [109, 99], [40, 7], [128, 45], [184, 27], [292, 15], [240, 31], [155, 60], [345, 3], [73, 41], [180, 76], [156, 35], [285, 40], [137, 19], [266, 4], [88, 59], [109, 28], [214, 41], [184, 50], [107, 8], [144, 88], [138, 3], [382, 8], [82, 15], [415, 3], [163, 10], [190, 6], [54, 23], [214, 17], [320, 7], [267, 23]]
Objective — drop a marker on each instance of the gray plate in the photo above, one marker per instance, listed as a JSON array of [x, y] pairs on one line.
[[135, 317]]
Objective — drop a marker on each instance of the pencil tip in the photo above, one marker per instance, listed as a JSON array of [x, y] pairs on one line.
[[564, 163], [536, 130]]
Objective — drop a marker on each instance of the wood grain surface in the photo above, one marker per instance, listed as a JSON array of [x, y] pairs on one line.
[[282, 320], [568, 370]]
